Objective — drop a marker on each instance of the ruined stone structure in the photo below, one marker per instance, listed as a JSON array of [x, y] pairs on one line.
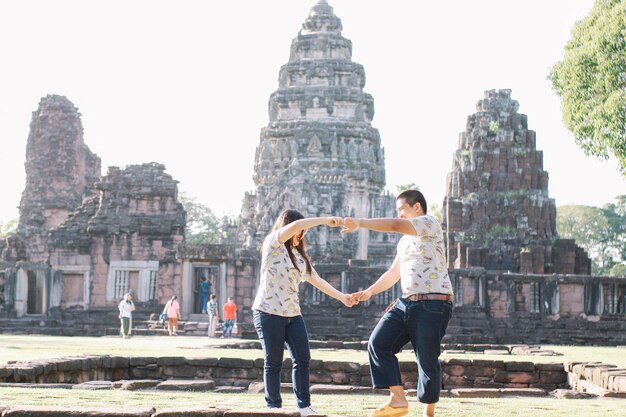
[[60, 172], [319, 153], [497, 211], [85, 239]]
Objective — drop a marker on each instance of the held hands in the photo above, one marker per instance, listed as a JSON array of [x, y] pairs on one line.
[[357, 297], [334, 221], [349, 224], [350, 300]]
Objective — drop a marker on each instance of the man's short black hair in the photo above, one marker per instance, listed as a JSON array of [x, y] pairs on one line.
[[413, 196]]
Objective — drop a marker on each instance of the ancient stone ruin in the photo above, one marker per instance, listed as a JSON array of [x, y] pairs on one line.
[[84, 239], [497, 211], [319, 153]]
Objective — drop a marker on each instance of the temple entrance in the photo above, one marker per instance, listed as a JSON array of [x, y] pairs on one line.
[[34, 298]]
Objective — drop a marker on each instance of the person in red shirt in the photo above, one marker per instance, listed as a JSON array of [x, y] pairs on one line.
[[230, 317]]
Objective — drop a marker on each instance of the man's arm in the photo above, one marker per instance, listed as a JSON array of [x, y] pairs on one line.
[[393, 225], [386, 281]]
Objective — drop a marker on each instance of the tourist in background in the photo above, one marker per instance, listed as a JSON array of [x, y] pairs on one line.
[[172, 310], [229, 311], [276, 309], [204, 291], [126, 308], [214, 317], [421, 315]]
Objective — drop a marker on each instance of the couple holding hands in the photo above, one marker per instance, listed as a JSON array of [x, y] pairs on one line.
[[420, 316]]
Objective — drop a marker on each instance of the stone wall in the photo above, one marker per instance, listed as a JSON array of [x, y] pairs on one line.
[[457, 373]]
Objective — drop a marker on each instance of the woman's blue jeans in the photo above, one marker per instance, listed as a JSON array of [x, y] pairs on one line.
[[424, 324], [274, 333]]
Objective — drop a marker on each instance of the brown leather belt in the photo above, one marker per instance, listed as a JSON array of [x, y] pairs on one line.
[[432, 296]]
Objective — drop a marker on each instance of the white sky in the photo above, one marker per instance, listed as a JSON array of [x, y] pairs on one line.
[[186, 83]]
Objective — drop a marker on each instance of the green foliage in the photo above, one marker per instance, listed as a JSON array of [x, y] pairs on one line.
[[202, 225], [601, 231], [409, 186], [591, 81], [434, 210], [493, 127], [8, 227], [498, 232]]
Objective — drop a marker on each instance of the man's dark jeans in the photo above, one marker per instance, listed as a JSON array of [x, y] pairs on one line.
[[424, 324], [274, 333]]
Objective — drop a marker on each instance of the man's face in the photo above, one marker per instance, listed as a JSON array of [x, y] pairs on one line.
[[406, 211]]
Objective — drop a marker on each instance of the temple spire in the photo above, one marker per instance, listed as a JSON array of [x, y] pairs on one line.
[[321, 19]]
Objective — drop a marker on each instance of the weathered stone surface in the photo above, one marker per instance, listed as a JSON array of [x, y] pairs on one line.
[[523, 392], [51, 411], [259, 413], [139, 384], [475, 392], [231, 390], [186, 385], [192, 412], [569, 394], [94, 385]]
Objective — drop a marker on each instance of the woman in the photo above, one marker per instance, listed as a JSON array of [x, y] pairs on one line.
[[276, 308], [172, 310], [126, 308]]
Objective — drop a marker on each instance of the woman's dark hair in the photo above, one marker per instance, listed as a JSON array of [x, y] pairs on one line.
[[413, 196], [286, 217]]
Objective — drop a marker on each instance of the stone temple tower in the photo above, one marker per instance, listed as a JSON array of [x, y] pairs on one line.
[[319, 153], [497, 210], [60, 171]]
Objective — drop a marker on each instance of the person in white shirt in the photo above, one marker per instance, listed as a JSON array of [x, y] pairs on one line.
[[126, 308], [421, 315]]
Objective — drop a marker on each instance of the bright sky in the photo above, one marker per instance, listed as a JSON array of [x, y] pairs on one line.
[[186, 84]]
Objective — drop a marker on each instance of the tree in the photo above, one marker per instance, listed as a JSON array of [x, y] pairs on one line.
[[8, 227], [202, 225], [403, 187], [591, 81], [601, 231]]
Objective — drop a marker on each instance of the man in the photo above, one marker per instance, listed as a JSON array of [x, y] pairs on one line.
[[205, 291], [421, 315], [230, 317]]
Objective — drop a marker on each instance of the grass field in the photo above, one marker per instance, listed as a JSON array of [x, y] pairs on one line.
[[19, 347]]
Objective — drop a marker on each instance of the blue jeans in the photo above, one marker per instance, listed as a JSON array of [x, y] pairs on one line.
[[274, 333], [424, 324], [228, 328], [204, 298]]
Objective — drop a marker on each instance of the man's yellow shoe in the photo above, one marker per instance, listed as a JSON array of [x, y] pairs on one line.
[[389, 411]]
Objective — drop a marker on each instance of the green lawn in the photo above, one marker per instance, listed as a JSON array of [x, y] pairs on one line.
[[22, 347], [348, 405]]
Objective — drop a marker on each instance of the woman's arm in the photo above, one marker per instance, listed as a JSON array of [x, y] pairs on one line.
[[329, 290], [396, 225], [290, 230]]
